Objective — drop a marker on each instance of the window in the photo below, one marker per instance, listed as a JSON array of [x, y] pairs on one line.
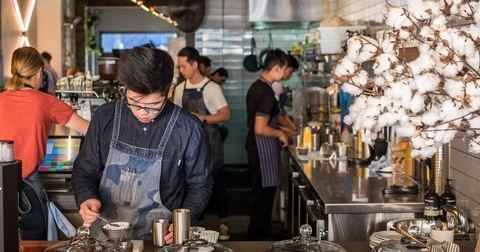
[[126, 40]]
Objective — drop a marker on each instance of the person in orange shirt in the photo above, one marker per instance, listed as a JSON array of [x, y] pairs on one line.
[[26, 116]]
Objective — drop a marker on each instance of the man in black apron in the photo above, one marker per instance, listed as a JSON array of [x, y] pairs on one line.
[[263, 143], [204, 98], [142, 156]]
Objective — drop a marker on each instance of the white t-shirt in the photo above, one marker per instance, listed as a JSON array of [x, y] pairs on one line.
[[277, 89], [212, 94]]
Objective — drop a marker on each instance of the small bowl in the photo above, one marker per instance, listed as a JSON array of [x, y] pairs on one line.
[[117, 234]]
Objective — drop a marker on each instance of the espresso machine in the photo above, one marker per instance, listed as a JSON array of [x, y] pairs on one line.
[[10, 177]]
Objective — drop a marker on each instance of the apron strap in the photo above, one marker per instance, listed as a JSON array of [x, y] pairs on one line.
[[168, 131], [116, 121]]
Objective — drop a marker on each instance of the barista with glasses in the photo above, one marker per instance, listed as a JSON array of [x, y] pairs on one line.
[[142, 156]]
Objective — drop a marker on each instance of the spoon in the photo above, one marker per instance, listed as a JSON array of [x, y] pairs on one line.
[[107, 221]]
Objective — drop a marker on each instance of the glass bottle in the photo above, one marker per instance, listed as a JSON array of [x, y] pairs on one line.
[[432, 203]]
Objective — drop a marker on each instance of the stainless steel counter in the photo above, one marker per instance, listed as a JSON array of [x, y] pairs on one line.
[[350, 199], [345, 188]]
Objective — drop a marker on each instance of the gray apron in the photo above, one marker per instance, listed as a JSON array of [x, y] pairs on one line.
[[130, 184], [193, 102], [269, 155]]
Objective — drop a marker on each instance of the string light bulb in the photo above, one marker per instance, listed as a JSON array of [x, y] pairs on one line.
[[152, 10]]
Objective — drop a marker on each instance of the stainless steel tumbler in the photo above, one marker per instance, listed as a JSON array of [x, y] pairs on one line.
[[181, 225], [159, 230]]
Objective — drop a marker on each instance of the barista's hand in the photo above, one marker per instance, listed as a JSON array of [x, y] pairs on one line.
[[169, 237], [89, 211], [282, 137]]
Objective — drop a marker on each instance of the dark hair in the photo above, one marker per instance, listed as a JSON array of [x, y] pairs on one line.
[[191, 53], [204, 60], [292, 62], [275, 57], [146, 70], [47, 56], [221, 71]]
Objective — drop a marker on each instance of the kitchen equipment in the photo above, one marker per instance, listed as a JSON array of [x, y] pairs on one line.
[[118, 232], [108, 68], [181, 225], [6, 151], [195, 245], [264, 52], [305, 242], [127, 246], [84, 242], [250, 63], [159, 230]]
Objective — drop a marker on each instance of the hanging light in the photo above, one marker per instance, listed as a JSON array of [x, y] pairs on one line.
[[24, 22], [152, 10]]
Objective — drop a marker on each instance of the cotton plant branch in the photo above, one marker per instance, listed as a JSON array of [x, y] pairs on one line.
[[428, 99]]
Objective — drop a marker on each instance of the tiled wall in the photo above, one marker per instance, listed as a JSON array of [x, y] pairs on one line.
[[465, 172], [225, 38], [362, 11]]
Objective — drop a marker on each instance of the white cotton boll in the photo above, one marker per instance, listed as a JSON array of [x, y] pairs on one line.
[[474, 145], [476, 15], [449, 136], [454, 88], [447, 35], [426, 82], [389, 77], [430, 117], [473, 30], [434, 6], [361, 78], [403, 34], [351, 89], [368, 52], [450, 69], [353, 47], [417, 142], [387, 119], [345, 67], [417, 104], [418, 8], [395, 17], [423, 63], [379, 81], [384, 62], [405, 130], [475, 103], [427, 32], [369, 123], [416, 120], [474, 123], [372, 112], [388, 47], [439, 23], [428, 151], [472, 89], [467, 10], [448, 111], [474, 59]]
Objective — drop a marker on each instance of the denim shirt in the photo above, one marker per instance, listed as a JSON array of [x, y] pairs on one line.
[[185, 180]]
